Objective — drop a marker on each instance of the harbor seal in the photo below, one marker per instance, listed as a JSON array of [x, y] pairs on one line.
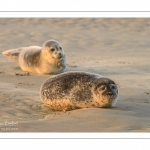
[[48, 59], [75, 89]]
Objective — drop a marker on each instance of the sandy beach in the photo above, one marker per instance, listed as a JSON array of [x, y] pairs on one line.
[[117, 48]]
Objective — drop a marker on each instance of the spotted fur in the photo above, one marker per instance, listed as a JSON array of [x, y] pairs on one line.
[[73, 90]]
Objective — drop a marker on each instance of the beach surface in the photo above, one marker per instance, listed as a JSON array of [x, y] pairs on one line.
[[117, 48]]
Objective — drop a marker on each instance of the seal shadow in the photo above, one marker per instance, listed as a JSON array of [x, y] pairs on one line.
[[17, 68], [119, 108]]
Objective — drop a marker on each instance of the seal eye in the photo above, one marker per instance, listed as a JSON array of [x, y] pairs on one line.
[[113, 87], [60, 48], [103, 88], [52, 49]]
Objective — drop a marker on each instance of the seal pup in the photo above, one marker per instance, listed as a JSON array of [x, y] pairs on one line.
[[76, 89], [48, 59]]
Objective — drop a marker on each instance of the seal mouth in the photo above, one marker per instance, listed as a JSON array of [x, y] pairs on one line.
[[105, 103], [58, 57], [108, 100], [61, 56], [111, 97]]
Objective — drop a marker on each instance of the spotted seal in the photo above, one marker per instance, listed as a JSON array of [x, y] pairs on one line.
[[77, 89]]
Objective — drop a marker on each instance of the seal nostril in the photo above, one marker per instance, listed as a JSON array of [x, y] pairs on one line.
[[60, 55], [110, 93]]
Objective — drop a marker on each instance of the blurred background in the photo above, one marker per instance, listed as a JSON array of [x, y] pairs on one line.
[[77, 34]]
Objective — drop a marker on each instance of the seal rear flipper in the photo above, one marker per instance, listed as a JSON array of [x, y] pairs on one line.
[[12, 54]]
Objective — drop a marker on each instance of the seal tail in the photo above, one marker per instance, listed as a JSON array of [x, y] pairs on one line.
[[12, 54]]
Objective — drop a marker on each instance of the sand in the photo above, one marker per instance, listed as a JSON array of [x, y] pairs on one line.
[[117, 48]]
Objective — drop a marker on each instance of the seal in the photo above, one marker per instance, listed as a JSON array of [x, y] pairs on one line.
[[77, 89], [48, 59]]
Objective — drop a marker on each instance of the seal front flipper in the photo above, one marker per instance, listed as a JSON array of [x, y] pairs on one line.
[[62, 63], [12, 54]]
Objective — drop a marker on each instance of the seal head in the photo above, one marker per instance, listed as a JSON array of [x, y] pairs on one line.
[[52, 50], [106, 92]]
